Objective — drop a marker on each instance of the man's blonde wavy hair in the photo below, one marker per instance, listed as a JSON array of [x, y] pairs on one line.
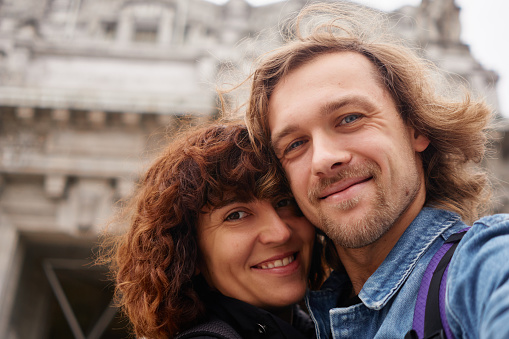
[[457, 128]]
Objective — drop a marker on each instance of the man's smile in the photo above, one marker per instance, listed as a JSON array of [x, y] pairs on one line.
[[342, 186]]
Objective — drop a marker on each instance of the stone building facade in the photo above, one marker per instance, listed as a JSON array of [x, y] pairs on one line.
[[89, 89]]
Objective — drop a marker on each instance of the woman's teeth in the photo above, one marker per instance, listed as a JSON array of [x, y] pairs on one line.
[[277, 263]]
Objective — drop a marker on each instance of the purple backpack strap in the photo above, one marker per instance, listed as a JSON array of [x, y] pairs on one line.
[[429, 314]]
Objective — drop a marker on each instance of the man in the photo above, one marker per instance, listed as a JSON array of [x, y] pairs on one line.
[[387, 168]]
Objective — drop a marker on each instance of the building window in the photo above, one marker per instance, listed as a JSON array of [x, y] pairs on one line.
[[109, 30], [145, 33]]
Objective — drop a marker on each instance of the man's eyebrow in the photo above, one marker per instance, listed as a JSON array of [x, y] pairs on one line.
[[332, 106]]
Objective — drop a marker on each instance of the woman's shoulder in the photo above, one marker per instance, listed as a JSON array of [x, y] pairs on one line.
[[213, 328]]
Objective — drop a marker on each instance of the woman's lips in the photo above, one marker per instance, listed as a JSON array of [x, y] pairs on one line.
[[275, 263]]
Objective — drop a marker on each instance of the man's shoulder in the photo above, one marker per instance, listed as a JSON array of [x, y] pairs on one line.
[[494, 220], [477, 280], [486, 232], [451, 222], [483, 251]]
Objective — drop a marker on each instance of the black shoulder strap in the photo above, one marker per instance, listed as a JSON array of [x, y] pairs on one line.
[[429, 322], [433, 327], [215, 328]]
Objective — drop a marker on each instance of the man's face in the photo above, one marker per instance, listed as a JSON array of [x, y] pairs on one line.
[[351, 160]]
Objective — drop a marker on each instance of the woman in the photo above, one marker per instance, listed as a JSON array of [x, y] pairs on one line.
[[215, 238]]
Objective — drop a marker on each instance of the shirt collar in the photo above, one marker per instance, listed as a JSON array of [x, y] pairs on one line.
[[250, 321]]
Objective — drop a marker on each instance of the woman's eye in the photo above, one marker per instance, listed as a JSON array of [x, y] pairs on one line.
[[349, 119], [288, 205], [284, 203], [236, 215], [287, 202]]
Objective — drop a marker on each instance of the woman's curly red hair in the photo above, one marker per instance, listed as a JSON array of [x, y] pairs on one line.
[[155, 260]]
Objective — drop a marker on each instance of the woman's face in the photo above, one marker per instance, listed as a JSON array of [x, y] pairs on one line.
[[258, 252]]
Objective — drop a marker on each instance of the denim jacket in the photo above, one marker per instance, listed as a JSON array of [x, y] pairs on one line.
[[477, 299]]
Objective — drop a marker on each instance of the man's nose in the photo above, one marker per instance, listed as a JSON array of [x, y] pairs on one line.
[[328, 156], [274, 229]]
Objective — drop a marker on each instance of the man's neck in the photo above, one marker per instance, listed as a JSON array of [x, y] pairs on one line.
[[361, 263]]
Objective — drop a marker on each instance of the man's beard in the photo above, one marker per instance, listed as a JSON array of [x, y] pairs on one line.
[[356, 233]]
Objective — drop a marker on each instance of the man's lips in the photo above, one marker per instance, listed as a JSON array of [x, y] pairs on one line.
[[342, 185]]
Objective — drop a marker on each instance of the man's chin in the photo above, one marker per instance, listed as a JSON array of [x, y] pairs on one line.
[[347, 209], [353, 228]]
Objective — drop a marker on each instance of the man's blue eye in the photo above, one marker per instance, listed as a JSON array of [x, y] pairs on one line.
[[350, 118], [294, 145]]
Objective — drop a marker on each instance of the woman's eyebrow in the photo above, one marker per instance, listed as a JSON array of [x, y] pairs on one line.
[[233, 200]]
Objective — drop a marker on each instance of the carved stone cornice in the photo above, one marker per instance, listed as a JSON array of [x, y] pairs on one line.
[[198, 103]]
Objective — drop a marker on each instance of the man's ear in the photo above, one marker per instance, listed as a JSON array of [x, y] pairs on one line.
[[419, 141]]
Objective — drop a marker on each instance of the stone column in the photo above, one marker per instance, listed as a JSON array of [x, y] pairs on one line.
[[165, 29], [11, 258], [125, 27]]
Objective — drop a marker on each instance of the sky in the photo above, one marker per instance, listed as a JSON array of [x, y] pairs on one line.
[[484, 25]]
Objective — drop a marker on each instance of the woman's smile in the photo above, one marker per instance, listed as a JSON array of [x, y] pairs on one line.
[[275, 263]]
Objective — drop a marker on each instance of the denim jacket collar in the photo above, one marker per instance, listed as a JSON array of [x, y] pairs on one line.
[[378, 290], [418, 237]]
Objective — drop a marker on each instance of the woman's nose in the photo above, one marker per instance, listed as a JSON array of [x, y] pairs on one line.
[[274, 229]]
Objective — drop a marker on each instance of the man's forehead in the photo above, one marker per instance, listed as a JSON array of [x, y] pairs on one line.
[[283, 97]]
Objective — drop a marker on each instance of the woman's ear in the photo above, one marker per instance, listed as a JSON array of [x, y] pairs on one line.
[[196, 270]]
